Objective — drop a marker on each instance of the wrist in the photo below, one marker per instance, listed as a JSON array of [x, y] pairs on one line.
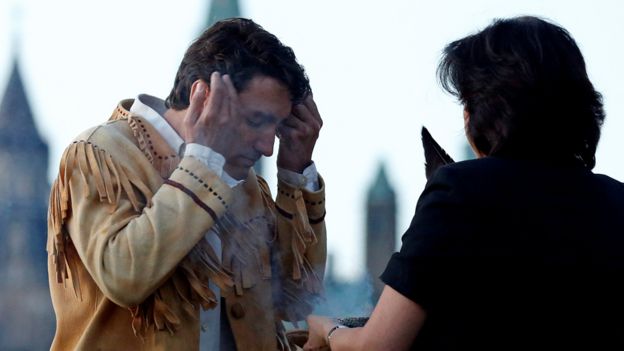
[[293, 166], [331, 332]]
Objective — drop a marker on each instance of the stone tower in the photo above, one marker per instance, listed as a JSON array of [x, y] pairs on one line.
[[222, 9], [380, 228], [27, 320]]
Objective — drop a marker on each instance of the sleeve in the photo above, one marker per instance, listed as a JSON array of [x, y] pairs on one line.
[[301, 249], [129, 239], [437, 249], [211, 159], [308, 179]]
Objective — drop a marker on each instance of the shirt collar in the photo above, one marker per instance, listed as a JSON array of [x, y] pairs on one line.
[[152, 109]]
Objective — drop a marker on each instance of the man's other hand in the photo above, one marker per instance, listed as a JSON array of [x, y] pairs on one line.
[[298, 134]]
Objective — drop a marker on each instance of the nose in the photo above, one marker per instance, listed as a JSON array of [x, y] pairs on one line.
[[265, 143]]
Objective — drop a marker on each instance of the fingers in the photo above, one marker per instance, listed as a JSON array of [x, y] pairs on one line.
[[293, 128], [316, 339], [217, 101], [294, 122], [196, 102], [304, 121], [310, 105], [307, 112], [233, 104], [309, 122], [229, 86]]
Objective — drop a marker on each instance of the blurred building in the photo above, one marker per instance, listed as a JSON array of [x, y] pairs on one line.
[[380, 228], [358, 298], [345, 298], [222, 9], [27, 321]]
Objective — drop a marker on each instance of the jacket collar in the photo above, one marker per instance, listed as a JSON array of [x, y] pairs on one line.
[[152, 140]]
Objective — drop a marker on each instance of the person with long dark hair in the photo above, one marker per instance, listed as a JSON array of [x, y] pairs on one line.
[[523, 247]]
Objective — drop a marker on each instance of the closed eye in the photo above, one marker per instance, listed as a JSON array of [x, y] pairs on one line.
[[258, 119], [255, 122]]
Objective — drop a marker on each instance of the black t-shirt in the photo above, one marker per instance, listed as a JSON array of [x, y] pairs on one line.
[[509, 254]]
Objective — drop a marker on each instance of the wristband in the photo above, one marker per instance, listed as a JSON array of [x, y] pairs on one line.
[[333, 329]]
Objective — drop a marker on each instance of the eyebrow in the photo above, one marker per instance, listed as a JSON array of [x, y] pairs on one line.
[[269, 117]]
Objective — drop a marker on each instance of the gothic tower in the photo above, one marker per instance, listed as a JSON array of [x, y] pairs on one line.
[[222, 9], [27, 321], [380, 228]]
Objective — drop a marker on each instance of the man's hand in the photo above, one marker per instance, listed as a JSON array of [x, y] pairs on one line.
[[212, 117], [298, 134]]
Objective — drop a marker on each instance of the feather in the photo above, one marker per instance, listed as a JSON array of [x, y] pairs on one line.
[[435, 156]]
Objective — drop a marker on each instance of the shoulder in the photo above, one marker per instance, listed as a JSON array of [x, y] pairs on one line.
[[607, 182], [606, 192], [515, 189], [112, 135], [508, 178], [468, 178], [109, 132], [474, 170], [111, 143]]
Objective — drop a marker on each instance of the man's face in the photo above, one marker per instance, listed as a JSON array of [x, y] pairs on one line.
[[264, 104]]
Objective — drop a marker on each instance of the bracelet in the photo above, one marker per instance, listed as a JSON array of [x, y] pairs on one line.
[[333, 329]]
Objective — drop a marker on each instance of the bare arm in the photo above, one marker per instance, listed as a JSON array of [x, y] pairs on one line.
[[393, 325]]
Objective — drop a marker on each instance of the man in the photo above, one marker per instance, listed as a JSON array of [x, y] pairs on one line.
[[158, 213]]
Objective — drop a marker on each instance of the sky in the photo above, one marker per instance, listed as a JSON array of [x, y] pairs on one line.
[[371, 65]]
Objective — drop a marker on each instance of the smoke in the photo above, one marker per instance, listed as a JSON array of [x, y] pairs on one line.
[[345, 299]]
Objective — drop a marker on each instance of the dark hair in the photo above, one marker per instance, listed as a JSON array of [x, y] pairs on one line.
[[241, 48], [524, 85]]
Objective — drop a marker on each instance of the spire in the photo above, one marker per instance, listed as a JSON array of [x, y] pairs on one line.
[[380, 228], [222, 9], [17, 16], [17, 125], [381, 190]]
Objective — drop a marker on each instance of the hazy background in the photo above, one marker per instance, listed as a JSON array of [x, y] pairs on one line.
[[371, 63]]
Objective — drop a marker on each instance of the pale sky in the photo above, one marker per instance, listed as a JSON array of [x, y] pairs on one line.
[[371, 64]]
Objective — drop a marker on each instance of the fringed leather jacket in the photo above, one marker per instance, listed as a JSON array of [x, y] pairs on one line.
[[128, 263]]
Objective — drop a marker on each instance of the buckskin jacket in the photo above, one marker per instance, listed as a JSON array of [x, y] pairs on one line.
[[128, 263]]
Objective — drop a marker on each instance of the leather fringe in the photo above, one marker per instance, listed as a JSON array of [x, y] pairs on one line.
[[111, 179], [303, 237], [246, 250], [302, 292]]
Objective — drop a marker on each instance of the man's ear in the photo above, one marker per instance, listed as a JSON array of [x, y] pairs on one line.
[[195, 86]]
